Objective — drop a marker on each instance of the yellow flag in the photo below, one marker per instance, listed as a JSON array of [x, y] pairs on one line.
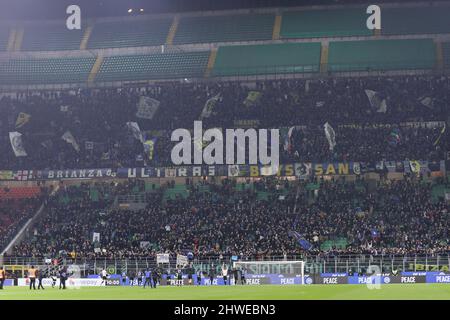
[[22, 119]]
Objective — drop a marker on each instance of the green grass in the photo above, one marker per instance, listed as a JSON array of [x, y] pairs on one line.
[[322, 292]]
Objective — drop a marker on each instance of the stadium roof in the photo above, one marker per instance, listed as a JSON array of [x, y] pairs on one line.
[[53, 9]]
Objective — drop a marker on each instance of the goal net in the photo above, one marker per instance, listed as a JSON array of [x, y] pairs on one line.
[[292, 268]]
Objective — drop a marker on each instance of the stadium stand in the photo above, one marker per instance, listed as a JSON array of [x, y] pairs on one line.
[[228, 28], [381, 55], [344, 217], [267, 59], [415, 20], [4, 36], [53, 36], [129, 33], [324, 23], [153, 66], [45, 70]]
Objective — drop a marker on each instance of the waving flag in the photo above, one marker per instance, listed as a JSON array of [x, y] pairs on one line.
[[331, 135], [136, 131], [69, 138], [17, 144], [147, 107], [209, 106], [378, 104], [305, 244], [22, 119]]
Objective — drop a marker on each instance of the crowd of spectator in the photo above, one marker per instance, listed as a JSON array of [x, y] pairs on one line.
[[394, 217], [99, 117]]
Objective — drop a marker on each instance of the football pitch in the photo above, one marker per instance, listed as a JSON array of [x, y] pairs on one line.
[[293, 292]]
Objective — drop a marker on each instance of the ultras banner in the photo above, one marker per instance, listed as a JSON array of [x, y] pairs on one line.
[[300, 170]]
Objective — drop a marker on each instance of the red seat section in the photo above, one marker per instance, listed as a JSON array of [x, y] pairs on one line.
[[19, 192]]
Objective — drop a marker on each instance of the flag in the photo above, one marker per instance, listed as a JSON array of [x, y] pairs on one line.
[[426, 101], [22, 119], [288, 141], [147, 107], [17, 144], [415, 166], [233, 170], [47, 144], [375, 101], [305, 244], [136, 131], [252, 98], [96, 237], [23, 175], [440, 135], [69, 138], [89, 145], [331, 135], [149, 148], [209, 106], [394, 137]]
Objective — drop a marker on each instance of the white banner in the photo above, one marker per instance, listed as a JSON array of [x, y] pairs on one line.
[[136, 131], [375, 101], [71, 282], [16, 143], [209, 106], [147, 107], [182, 260], [162, 258], [68, 137], [96, 237], [331, 135]]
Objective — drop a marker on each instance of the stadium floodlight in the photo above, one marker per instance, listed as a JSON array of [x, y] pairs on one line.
[[292, 268], [130, 10]]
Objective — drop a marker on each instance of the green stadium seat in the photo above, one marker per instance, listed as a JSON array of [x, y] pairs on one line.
[[154, 66], [267, 59], [417, 20], [224, 28], [381, 55], [4, 36], [50, 37], [325, 23], [129, 33], [45, 71]]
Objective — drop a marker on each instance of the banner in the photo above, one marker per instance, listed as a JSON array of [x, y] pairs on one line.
[[182, 260], [209, 106], [17, 145], [149, 148], [252, 98], [22, 119], [330, 134], [301, 170], [69, 138], [375, 101], [162, 258], [147, 107], [96, 237], [136, 131]]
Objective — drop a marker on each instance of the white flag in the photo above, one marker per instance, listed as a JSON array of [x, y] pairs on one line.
[[209, 106], [330, 134], [375, 101], [96, 237], [136, 131], [68, 137], [147, 107], [16, 143]]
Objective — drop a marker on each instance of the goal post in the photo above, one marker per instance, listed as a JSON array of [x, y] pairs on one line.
[[293, 268]]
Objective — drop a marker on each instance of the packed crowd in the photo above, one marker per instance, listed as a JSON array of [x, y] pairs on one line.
[[397, 217], [14, 213], [96, 119]]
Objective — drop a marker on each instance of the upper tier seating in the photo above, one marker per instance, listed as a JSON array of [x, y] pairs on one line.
[[154, 66], [133, 33], [51, 37], [266, 59], [324, 23], [45, 71]]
